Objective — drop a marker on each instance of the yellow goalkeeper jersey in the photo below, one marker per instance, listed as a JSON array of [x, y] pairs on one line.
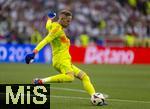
[[59, 42]]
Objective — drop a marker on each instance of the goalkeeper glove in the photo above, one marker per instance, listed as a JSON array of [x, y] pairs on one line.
[[51, 14], [29, 58]]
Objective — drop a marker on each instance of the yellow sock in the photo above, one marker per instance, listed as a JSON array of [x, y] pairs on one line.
[[59, 78], [88, 85]]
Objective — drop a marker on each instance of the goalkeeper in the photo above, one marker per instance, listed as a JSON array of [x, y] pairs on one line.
[[61, 59]]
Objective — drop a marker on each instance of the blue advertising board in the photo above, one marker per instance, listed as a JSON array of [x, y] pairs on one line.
[[17, 52]]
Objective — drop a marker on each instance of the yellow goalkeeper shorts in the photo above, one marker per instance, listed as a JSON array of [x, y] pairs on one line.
[[65, 66]]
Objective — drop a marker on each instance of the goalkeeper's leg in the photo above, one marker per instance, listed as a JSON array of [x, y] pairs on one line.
[[65, 77], [88, 86], [68, 77]]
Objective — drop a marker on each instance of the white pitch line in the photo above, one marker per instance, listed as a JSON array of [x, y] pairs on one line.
[[77, 90], [131, 101], [68, 89], [83, 98], [69, 97]]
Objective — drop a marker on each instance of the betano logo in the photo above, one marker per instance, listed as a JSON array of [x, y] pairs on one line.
[[108, 56]]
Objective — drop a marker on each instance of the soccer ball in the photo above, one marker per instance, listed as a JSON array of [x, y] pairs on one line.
[[97, 99]]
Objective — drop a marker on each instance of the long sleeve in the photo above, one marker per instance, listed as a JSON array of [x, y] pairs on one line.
[[54, 32]]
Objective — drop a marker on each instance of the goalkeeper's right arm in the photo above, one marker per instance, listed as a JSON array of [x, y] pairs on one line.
[[30, 57], [55, 32]]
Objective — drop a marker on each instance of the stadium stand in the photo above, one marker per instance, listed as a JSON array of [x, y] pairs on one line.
[[106, 22]]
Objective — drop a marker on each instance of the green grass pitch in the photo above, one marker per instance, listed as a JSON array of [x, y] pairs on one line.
[[128, 86]]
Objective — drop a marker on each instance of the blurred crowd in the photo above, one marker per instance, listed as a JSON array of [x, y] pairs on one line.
[[94, 21]]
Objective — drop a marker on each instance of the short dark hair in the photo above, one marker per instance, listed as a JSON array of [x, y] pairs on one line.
[[65, 12]]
